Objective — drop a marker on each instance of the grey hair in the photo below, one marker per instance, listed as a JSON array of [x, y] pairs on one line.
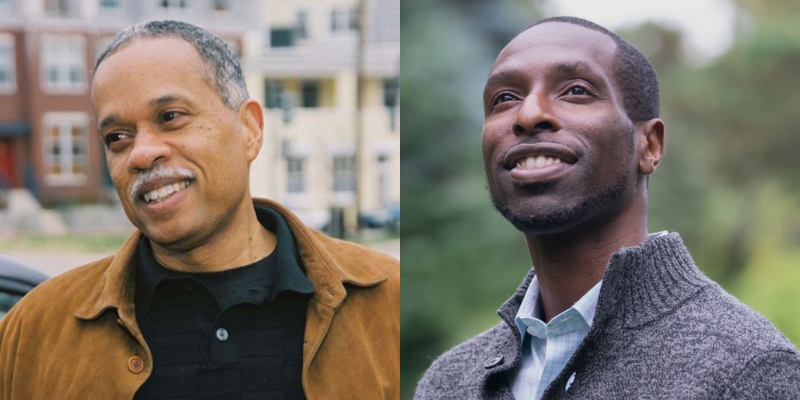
[[223, 70]]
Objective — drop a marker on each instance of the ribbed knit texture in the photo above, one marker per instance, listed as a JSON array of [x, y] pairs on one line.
[[662, 330]]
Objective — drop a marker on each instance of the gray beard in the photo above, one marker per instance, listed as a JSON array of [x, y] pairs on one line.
[[534, 224]]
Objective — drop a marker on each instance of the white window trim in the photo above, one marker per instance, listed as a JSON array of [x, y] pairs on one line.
[[10, 87], [303, 174], [353, 171], [62, 87], [64, 119]]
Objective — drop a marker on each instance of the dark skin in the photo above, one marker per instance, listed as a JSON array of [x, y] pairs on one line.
[[560, 150]]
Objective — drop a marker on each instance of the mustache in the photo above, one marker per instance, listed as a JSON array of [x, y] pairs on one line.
[[159, 172]]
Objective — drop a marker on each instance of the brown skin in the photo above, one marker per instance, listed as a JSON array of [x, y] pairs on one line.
[[210, 225], [552, 92]]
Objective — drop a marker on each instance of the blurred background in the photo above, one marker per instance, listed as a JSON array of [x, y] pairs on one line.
[[326, 72], [729, 184]]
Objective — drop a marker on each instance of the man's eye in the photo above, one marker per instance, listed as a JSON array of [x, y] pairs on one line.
[[113, 137], [578, 91], [503, 98], [169, 116]]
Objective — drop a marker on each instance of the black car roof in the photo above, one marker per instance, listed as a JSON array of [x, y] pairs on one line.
[[18, 277]]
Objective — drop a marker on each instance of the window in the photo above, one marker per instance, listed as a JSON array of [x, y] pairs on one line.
[[273, 96], [110, 4], [310, 94], [281, 37], [302, 25], [391, 91], [8, 76], [343, 19], [56, 8], [352, 18], [221, 5], [63, 63], [111, 8], [66, 148], [391, 98], [344, 173], [173, 4], [295, 174], [384, 179]]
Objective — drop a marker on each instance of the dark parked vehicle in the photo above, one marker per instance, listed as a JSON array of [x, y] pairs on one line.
[[16, 279], [387, 217]]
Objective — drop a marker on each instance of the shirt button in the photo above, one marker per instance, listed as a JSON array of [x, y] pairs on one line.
[[189, 287], [135, 364], [492, 361], [222, 334]]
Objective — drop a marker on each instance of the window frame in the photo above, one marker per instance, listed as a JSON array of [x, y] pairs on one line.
[[344, 173], [9, 86], [55, 52], [296, 177], [66, 124]]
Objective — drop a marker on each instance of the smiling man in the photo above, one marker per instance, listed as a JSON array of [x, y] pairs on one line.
[[609, 311], [217, 295]]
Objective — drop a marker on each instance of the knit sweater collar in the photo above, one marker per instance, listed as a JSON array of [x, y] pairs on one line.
[[641, 284]]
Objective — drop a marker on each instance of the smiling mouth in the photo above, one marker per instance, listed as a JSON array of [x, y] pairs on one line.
[[537, 162], [161, 193]]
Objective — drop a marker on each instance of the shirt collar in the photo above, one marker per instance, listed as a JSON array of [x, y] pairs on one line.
[[528, 314], [255, 283]]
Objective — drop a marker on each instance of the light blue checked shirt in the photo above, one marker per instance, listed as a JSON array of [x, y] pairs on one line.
[[546, 348]]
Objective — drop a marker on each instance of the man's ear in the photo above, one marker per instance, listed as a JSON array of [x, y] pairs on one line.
[[650, 144], [252, 118]]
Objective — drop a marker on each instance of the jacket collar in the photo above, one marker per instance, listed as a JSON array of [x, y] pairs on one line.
[[647, 282], [116, 289], [641, 284]]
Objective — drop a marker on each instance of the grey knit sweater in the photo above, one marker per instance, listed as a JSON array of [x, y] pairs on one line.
[[662, 330]]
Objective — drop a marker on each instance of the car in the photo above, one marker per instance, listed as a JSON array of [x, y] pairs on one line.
[[16, 279], [387, 217]]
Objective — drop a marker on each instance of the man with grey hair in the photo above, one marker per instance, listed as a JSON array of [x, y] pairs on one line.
[[216, 295]]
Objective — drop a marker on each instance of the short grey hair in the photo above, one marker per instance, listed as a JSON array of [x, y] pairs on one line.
[[223, 71]]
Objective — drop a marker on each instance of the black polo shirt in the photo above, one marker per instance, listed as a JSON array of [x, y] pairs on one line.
[[234, 334]]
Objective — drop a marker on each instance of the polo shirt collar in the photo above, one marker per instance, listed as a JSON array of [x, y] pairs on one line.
[[255, 283], [327, 265]]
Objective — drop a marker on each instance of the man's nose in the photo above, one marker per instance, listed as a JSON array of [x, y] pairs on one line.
[[535, 116], [148, 149]]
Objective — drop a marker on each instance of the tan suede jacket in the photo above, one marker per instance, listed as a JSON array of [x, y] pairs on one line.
[[75, 336]]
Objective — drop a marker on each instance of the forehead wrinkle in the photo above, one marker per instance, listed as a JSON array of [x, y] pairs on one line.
[[571, 68], [169, 98]]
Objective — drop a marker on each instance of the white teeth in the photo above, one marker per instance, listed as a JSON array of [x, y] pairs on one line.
[[537, 162], [530, 163], [158, 194]]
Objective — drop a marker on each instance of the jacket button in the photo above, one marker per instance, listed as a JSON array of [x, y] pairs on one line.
[[135, 364], [222, 334], [492, 361]]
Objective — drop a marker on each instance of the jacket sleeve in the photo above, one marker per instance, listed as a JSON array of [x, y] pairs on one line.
[[9, 338], [770, 375]]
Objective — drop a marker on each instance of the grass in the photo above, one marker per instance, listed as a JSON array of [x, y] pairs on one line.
[[108, 243], [90, 243]]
